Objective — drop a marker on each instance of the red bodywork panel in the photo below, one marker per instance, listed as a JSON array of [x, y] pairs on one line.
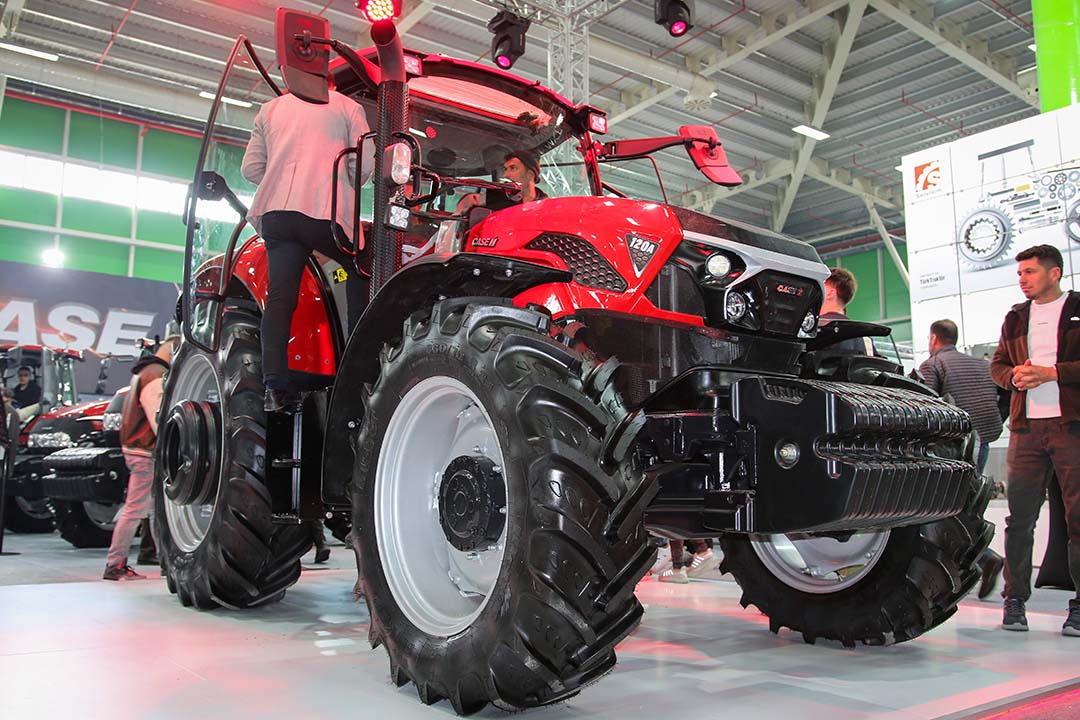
[[311, 343], [603, 222], [91, 408]]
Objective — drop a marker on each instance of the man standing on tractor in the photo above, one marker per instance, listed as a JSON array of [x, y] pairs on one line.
[[290, 156], [138, 436], [520, 166]]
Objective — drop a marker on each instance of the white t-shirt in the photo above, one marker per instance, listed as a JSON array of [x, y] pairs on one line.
[[1043, 401]]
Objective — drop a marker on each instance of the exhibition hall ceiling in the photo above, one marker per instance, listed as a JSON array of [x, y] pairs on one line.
[[883, 78]]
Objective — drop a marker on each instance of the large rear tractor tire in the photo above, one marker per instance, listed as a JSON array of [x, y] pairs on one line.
[[876, 588], [216, 540], [86, 524], [28, 516], [498, 510]]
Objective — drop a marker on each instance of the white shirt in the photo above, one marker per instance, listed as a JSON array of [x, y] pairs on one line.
[[1043, 401], [290, 156]]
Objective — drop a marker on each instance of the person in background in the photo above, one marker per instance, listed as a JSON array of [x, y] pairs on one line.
[[26, 392], [967, 380], [840, 288], [138, 436], [290, 156], [1038, 360], [684, 567]]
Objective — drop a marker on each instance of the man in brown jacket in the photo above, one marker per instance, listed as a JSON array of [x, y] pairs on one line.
[[1038, 359], [138, 435]]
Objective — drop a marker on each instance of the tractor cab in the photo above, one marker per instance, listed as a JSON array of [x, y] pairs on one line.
[[51, 369]]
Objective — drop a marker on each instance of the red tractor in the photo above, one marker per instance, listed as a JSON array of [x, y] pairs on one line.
[[516, 411], [37, 430]]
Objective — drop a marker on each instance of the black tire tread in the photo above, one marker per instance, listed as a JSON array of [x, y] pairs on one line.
[[577, 574], [925, 572], [246, 560], [76, 527]]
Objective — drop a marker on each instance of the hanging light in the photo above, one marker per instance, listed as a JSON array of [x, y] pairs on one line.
[[508, 41], [379, 10], [675, 15]]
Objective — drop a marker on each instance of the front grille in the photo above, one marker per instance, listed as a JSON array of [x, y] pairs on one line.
[[588, 266]]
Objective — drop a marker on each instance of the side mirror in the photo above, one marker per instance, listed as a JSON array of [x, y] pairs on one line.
[[304, 64], [708, 155]]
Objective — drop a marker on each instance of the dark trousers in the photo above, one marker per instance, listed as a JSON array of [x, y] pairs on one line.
[[290, 238], [1048, 446]]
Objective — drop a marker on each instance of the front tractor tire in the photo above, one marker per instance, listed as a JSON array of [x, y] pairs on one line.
[[878, 588], [497, 509], [217, 543], [86, 524]]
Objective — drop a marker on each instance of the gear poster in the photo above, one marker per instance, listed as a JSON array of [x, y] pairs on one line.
[[971, 205]]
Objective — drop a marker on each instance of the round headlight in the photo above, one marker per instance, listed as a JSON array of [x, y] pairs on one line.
[[718, 265], [808, 323], [735, 307]]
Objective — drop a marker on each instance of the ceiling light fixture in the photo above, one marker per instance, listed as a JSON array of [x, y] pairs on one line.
[[1031, 47], [53, 257], [508, 41], [28, 51], [812, 133], [677, 16], [225, 100]]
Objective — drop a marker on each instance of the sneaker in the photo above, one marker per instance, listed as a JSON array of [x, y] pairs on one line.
[[121, 572], [703, 564], [1015, 618], [1072, 623], [675, 575]]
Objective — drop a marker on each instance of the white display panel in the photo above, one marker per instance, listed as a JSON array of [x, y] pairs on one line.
[[971, 205]]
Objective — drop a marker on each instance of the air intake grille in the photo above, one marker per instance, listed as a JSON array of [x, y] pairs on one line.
[[589, 267]]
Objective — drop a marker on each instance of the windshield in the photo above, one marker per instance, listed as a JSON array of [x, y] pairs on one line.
[[467, 120]]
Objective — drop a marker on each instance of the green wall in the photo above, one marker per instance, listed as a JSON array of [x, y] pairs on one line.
[[54, 133], [882, 295]]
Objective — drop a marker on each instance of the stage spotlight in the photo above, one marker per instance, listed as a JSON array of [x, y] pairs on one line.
[[675, 15], [508, 41]]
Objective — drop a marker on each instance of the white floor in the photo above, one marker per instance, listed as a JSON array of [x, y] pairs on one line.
[[74, 646]]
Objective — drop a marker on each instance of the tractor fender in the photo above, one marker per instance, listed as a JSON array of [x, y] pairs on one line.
[[315, 337], [418, 286]]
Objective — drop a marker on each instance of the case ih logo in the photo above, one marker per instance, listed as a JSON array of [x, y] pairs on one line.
[[486, 242], [642, 250], [928, 176], [789, 290]]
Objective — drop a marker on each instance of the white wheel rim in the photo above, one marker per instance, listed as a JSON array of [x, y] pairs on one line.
[[817, 564], [440, 589], [197, 381]]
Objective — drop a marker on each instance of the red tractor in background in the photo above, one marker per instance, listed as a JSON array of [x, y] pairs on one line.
[[516, 411], [26, 507]]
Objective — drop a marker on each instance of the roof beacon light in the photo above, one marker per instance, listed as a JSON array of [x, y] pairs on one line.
[[379, 10], [675, 15]]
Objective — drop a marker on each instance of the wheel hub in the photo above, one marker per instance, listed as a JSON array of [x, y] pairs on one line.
[[472, 503], [191, 452]]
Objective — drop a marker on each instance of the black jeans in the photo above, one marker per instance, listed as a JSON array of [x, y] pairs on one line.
[[1046, 447], [290, 238]]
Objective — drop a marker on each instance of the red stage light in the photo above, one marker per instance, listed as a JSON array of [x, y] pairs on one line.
[[379, 10]]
